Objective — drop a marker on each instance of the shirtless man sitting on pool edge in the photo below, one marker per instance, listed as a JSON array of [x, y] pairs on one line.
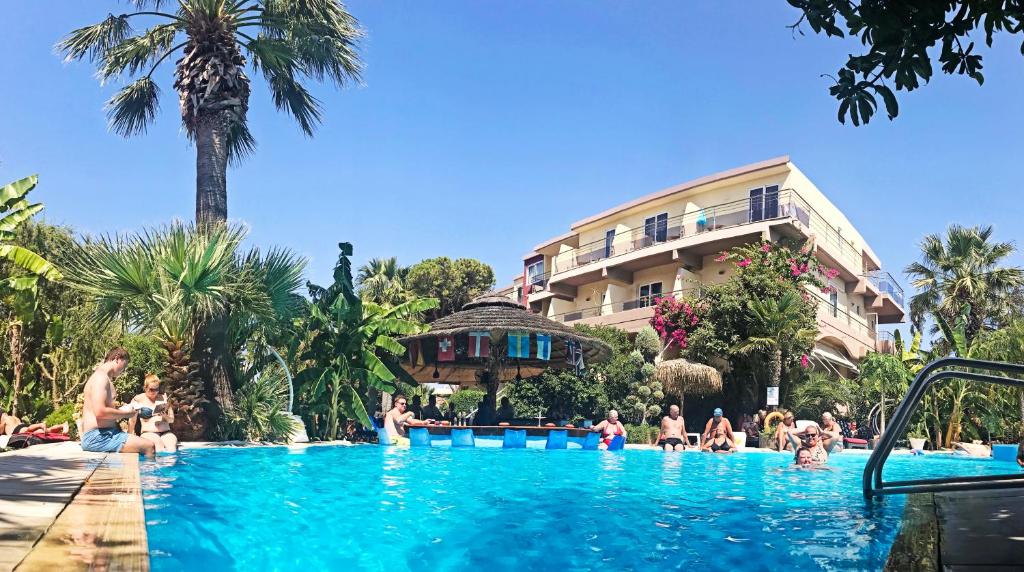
[[673, 431], [100, 431]]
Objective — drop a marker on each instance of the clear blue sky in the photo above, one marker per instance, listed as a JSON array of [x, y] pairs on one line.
[[484, 127]]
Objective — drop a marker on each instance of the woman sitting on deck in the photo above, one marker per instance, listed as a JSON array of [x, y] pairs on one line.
[[157, 426], [719, 443], [783, 431], [609, 429]]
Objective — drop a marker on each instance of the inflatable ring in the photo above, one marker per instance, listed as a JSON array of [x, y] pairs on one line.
[[771, 417]]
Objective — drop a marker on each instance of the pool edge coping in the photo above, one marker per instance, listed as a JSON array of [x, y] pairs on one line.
[[104, 522]]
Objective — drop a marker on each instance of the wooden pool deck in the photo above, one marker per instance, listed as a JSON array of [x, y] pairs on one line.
[[64, 509]]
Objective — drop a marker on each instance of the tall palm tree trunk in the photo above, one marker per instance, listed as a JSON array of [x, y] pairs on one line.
[[211, 343], [211, 168], [214, 358]]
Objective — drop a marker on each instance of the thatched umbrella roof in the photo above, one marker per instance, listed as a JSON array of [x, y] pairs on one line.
[[498, 316], [688, 378]]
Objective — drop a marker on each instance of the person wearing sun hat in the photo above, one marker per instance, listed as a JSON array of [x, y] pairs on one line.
[[716, 421]]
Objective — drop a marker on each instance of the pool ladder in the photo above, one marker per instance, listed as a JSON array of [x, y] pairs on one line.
[[943, 369]]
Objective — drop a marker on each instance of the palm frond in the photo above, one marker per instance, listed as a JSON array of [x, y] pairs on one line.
[[291, 96], [94, 41], [136, 53], [12, 192], [132, 109]]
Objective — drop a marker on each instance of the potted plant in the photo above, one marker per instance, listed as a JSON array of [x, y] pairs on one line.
[[917, 437]]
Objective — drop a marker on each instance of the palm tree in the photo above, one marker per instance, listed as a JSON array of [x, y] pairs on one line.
[[964, 270], [168, 282], [776, 325], [20, 287], [288, 41], [353, 350], [382, 281]]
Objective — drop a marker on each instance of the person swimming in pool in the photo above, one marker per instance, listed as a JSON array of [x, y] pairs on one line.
[[803, 458], [609, 429], [719, 442], [811, 439]]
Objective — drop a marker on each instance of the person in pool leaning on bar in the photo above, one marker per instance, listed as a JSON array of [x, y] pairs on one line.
[[398, 419]]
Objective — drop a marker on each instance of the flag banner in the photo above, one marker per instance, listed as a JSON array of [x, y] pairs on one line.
[[574, 356], [543, 347], [518, 345], [445, 348], [415, 355], [479, 344]]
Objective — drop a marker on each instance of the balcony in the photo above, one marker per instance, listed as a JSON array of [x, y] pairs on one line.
[[704, 231], [630, 315], [889, 304], [857, 334]]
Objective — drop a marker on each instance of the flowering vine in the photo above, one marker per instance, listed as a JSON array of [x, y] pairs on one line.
[[673, 320], [798, 266]]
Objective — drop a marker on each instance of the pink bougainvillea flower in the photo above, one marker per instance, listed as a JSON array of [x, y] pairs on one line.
[[804, 362], [766, 247], [794, 270], [722, 257], [743, 263]]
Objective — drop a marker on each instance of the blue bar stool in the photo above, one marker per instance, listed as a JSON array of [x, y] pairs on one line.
[[514, 439], [419, 437], [591, 441], [463, 438], [617, 443], [557, 439]]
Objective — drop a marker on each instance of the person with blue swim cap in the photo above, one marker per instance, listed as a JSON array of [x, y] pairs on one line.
[[717, 420]]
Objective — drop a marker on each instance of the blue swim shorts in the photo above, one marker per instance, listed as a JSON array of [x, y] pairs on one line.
[[104, 440]]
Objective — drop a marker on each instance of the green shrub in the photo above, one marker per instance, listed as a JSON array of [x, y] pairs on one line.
[[63, 413], [642, 434], [648, 343], [465, 400], [146, 355], [259, 413]]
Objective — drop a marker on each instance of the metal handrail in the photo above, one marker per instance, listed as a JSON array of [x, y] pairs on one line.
[[936, 371]]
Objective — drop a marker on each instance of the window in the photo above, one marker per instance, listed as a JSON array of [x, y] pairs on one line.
[[771, 202], [764, 203], [756, 205], [648, 293], [656, 229], [535, 272], [833, 300], [609, 240]]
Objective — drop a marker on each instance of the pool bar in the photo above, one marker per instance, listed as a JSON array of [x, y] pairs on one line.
[[503, 436]]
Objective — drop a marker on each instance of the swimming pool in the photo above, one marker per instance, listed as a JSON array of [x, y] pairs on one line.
[[441, 509]]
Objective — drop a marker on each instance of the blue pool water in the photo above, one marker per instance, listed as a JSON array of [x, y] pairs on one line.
[[485, 509]]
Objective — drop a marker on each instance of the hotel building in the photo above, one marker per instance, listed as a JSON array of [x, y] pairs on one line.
[[609, 267]]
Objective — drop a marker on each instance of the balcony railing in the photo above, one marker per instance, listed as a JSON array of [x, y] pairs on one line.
[[886, 284], [538, 282], [788, 205], [616, 307], [854, 324]]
